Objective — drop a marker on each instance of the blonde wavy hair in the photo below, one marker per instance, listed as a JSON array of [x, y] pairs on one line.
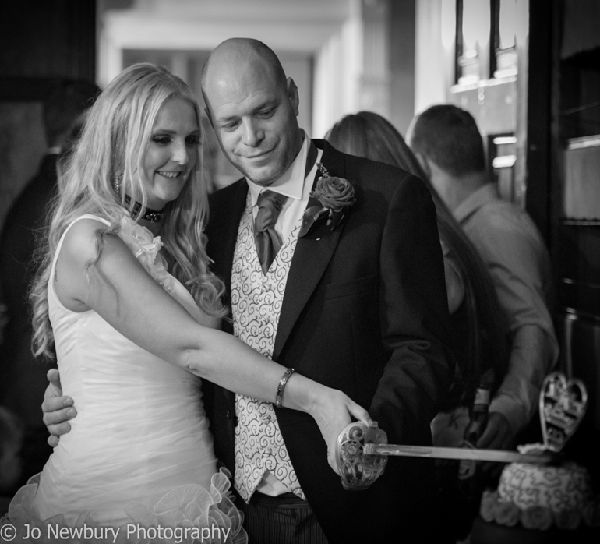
[[105, 165]]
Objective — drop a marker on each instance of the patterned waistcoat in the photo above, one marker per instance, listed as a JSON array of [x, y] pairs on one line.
[[256, 301]]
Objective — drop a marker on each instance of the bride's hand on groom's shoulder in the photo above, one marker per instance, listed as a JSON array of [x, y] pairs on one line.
[[333, 411], [57, 410]]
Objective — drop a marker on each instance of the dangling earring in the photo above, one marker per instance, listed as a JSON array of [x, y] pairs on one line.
[[117, 184]]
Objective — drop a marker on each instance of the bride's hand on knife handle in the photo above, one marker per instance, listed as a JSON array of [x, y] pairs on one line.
[[57, 410], [333, 415], [332, 410]]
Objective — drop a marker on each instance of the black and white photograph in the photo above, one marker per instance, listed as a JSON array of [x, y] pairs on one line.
[[300, 271]]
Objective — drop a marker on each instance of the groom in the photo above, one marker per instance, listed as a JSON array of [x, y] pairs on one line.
[[355, 300], [332, 267]]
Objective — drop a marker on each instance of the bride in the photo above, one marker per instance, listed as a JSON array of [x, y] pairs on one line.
[[126, 299]]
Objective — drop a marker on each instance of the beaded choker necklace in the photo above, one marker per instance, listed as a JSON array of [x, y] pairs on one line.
[[153, 216]]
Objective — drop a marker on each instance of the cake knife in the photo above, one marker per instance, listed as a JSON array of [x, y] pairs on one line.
[[362, 452]]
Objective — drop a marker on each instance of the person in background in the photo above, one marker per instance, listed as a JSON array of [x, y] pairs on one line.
[[449, 146], [24, 377], [480, 338]]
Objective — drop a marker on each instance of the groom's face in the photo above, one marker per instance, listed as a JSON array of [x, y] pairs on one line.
[[254, 115]]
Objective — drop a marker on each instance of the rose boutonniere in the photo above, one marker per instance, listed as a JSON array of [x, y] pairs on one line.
[[328, 201]]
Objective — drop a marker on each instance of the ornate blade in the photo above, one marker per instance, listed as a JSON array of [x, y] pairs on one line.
[[497, 456], [362, 453]]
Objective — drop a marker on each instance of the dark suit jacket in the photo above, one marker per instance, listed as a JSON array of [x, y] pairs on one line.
[[364, 311]]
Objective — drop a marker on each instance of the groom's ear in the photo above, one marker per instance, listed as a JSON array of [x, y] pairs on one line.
[[292, 92]]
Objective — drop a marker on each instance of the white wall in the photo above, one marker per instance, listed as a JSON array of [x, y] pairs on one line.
[[337, 73], [434, 50], [337, 50]]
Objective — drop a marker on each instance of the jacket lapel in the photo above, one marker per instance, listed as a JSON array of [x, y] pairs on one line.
[[311, 257]]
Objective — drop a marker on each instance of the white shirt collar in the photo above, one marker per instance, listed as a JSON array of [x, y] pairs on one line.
[[291, 182]]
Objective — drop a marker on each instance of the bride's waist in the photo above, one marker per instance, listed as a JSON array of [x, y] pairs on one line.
[[107, 471], [106, 400], [124, 444], [142, 421], [116, 386]]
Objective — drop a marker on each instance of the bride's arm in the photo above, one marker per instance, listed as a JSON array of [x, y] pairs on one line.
[[107, 278]]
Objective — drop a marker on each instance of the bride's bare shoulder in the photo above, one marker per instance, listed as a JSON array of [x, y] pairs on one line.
[[82, 245], [83, 240]]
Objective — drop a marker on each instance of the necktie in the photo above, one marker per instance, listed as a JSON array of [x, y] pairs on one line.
[[268, 242]]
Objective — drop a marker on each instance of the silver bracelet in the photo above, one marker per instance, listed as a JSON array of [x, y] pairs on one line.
[[281, 387]]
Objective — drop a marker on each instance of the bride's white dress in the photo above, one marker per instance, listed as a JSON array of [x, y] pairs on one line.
[[139, 449]]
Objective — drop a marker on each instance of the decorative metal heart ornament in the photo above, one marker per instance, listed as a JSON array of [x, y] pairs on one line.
[[562, 407], [359, 471]]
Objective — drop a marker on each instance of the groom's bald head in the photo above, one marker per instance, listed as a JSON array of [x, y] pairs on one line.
[[234, 55]]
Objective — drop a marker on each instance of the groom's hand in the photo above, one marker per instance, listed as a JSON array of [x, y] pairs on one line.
[[58, 410]]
